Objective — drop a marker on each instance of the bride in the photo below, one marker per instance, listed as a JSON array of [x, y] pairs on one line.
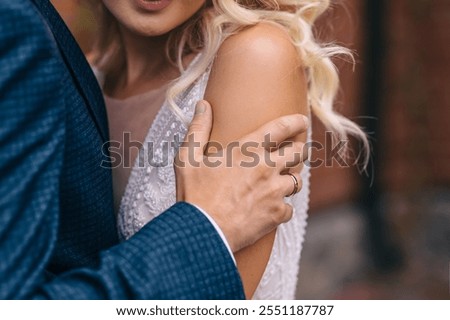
[[253, 60]]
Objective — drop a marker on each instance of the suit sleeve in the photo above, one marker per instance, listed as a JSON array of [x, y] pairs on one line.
[[179, 255]]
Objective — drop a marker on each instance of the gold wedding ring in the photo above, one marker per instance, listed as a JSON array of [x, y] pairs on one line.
[[296, 189]]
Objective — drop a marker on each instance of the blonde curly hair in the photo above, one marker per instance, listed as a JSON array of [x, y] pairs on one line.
[[219, 19]]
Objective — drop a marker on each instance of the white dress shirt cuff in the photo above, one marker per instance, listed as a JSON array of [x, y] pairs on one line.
[[219, 231]]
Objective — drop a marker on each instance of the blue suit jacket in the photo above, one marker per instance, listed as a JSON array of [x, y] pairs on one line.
[[58, 235]]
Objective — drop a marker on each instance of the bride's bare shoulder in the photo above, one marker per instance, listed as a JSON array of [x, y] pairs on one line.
[[262, 43], [256, 75]]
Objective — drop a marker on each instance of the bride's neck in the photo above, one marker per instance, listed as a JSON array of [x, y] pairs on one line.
[[146, 65]]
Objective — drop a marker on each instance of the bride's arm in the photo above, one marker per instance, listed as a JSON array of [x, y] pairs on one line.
[[256, 77]]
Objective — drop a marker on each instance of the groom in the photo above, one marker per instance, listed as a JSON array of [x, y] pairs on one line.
[[58, 237]]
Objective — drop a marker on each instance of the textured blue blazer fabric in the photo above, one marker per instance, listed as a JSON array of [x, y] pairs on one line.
[[58, 237]]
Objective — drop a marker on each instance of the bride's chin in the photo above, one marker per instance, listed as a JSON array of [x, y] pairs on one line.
[[149, 31]]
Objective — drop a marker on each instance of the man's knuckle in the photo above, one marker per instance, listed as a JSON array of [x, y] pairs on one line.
[[279, 212], [196, 126], [289, 211], [284, 124], [260, 172], [273, 189]]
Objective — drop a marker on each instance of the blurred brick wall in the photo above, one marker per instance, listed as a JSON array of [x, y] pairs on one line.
[[416, 96], [341, 24]]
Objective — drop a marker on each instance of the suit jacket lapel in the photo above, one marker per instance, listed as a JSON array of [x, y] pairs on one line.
[[78, 66]]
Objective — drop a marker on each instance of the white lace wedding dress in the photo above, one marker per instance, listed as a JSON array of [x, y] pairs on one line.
[[151, 190]]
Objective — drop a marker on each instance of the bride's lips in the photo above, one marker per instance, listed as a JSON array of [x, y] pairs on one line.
[[150, 5]]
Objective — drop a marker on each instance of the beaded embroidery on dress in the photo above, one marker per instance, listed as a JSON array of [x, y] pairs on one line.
[[151, 190]]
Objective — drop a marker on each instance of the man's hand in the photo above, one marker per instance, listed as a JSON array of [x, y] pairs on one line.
[[242, 187]]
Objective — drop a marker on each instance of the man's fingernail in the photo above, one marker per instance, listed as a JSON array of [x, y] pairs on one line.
[[200, 107], [305, 118]]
